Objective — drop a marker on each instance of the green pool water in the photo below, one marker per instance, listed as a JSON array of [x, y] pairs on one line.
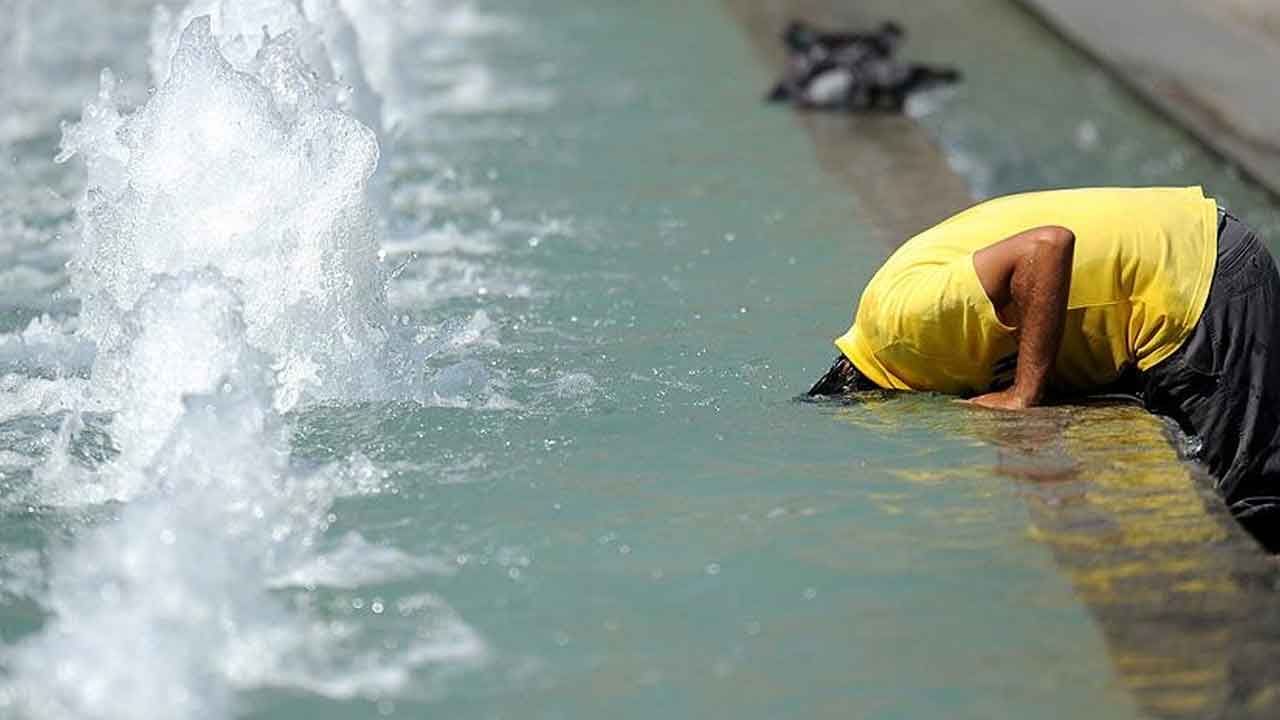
[[638, 518]]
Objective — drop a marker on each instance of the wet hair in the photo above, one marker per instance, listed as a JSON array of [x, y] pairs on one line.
[[843, 378]]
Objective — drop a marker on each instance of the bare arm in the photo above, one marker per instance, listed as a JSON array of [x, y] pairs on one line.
[[1027, 277]]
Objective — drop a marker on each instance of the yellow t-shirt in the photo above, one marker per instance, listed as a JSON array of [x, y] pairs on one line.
[[1143, 264]]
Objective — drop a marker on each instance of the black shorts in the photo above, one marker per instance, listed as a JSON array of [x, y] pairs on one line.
[[1223, 384]]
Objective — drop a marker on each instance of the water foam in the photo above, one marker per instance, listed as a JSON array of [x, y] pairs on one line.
[[258, 176], [438, 33], [168, 611], [228, 272], [322, 33]]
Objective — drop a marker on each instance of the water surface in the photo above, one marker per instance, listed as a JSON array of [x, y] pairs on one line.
[[603, 496]]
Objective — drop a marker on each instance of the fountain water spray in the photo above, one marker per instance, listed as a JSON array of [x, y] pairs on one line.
[[228, 272]]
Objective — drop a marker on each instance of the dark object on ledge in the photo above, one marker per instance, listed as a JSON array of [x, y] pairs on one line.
[[851, 71]]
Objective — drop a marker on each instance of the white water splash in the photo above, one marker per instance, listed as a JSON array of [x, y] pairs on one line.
[[168, 611], [439, 33], [259, 177], [322, 34], [228, 271]]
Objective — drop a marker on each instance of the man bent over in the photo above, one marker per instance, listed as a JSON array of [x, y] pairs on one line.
[[1031, 298]]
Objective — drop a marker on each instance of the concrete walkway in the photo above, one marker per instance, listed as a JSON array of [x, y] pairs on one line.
[[1213, 66]]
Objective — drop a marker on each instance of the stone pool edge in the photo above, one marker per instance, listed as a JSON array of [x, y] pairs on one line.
[[1206, 68]]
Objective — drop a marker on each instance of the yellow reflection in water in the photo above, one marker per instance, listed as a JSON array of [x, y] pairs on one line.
[[1184, 598]]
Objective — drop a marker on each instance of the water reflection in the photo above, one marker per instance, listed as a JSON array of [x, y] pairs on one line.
[[1185, 599]]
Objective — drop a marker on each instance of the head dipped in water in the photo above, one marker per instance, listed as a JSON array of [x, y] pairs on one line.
[[841, 379]]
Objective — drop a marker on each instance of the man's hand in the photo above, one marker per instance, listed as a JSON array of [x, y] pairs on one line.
[[1027, 278], [1002, 400]]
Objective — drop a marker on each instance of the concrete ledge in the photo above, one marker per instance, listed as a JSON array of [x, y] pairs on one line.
[[1211, 67]]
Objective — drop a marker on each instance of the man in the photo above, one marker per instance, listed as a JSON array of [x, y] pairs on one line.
[[1028, 299]]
